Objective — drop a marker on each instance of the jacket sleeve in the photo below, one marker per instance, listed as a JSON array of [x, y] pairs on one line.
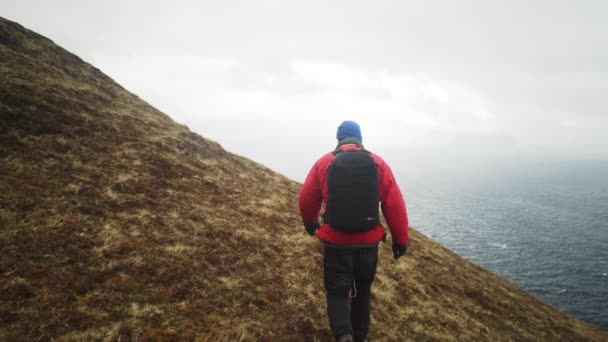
[[311, 196], [393, 206]]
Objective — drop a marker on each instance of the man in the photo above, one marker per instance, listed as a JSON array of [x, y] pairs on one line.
[[350, 182]]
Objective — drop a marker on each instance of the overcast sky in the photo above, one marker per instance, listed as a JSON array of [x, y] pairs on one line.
[[432, 83]]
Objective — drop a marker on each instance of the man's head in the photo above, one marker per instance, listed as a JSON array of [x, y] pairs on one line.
[[349, 129]]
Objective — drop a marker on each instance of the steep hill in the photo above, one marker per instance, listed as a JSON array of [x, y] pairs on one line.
[[116, 223]]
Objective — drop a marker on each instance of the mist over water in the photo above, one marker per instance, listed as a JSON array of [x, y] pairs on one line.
[[542, 225]]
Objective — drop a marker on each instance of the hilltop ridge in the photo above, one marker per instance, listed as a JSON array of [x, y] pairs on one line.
[[117, 223]]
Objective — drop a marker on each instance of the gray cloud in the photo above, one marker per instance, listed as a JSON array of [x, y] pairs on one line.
[[480, 79]]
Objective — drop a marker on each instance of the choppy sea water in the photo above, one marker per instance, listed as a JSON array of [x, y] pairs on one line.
[[543, 228]]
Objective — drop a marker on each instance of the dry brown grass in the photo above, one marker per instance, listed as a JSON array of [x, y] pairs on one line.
[[118, 224]]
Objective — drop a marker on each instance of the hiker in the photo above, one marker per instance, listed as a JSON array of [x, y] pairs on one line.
[[350, 182]]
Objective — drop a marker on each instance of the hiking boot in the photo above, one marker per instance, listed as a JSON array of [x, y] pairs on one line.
[[345, 338]]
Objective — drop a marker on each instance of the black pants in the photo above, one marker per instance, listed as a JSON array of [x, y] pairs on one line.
[[345, 270]]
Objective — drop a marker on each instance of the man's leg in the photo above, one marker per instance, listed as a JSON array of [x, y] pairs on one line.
[[338, 277], [365, 261]]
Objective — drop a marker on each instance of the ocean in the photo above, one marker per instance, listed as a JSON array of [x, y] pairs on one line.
[[542, 226]]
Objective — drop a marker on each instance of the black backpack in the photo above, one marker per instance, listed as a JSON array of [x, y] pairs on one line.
[[354, 192]]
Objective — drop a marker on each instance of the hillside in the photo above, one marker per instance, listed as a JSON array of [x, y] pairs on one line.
[[116, 223]]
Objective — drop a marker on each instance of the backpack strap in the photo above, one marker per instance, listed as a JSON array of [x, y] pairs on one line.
[[338, 150]]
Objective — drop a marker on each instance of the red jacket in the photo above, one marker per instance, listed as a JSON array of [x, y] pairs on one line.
[[315, 192]]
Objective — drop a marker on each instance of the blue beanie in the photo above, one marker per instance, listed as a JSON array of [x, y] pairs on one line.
[[349, 129]]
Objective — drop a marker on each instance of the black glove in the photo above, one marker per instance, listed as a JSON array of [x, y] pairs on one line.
[[398, 251], [311, 229]]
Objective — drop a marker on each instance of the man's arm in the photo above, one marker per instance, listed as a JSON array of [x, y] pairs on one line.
[[311, 199], [393, 206]]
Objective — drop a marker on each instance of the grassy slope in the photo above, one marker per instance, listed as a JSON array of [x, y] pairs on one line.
[[116, 222]]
